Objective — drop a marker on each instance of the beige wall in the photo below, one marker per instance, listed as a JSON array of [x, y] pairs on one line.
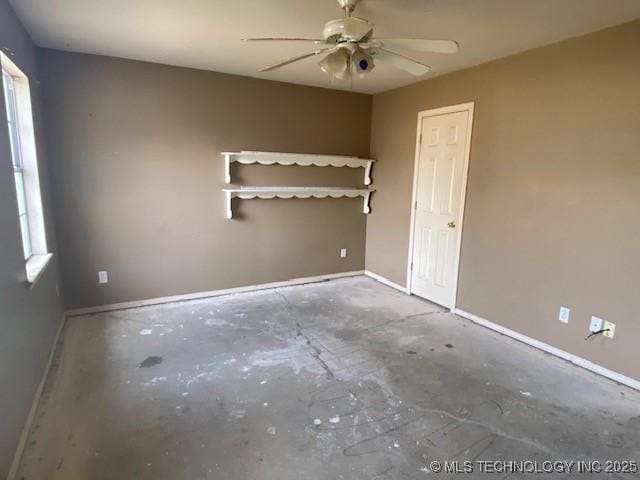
[[553, 192], [137, 178], [28, 318]]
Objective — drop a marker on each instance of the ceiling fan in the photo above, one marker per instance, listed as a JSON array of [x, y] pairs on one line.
[[349, 46]]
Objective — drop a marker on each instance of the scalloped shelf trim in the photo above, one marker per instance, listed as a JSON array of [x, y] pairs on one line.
[[301, 159], [247, 193]]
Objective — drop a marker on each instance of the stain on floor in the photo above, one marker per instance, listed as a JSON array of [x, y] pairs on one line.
[[151, 361], [348, 334], [337, 380]]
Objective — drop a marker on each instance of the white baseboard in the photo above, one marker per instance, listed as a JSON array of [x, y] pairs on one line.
[[386, 281], [22, 442], [214, 293], [579, 361]]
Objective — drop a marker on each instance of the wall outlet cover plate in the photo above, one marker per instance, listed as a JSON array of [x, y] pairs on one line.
[[596, 324], [612, 329], [564, 314]]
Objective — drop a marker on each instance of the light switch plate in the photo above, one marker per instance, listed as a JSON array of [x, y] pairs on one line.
[[564, 314], [612, 329], [103, 277], [596, 324], [343, 252]]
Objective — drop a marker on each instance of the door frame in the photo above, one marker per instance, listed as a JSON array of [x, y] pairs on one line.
[[463, 107]]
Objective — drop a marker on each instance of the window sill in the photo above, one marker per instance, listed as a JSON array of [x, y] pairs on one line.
[[36, 266]]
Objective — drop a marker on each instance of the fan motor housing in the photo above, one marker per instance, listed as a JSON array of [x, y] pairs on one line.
[[347, 29]]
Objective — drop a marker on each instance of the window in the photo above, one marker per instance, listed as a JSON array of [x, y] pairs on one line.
[[17, 100], [18, 173]]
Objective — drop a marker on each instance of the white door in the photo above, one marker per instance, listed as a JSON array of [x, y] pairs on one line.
[[440, 183]]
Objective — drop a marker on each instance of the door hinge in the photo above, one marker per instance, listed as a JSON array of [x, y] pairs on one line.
[[420, 139], [415, 205], [411, 266]]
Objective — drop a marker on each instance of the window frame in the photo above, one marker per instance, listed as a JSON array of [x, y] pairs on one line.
[[11, 106], [19, 127]]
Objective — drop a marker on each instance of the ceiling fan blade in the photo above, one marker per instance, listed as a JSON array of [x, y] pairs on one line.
[[284, 39], [295, 59], [421, 45], [400, 61]]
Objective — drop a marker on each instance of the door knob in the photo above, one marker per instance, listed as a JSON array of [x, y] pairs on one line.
[[451, 224]]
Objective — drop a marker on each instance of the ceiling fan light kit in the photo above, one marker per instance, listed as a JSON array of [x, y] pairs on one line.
[[337, 63], [362, 61], [349, 46]]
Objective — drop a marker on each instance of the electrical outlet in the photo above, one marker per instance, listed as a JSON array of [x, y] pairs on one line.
[[611, 327], [103, 277], [564, 314], [596, 324], [343, 252]]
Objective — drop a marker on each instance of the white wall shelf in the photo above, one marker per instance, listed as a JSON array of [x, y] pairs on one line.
[[295, 192], [302, 159]]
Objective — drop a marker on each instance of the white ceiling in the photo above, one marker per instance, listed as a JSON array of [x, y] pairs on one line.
[[206, 34]]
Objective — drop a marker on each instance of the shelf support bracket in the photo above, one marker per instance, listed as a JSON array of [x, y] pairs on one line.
[[366, 208], [367, 173], [227, 169], [228, 197]]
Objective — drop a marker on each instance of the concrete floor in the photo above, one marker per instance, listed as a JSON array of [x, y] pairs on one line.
[[346, 379]]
